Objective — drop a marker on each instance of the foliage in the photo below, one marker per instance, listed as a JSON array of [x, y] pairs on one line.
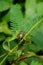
[[21, 32], [35, 63]]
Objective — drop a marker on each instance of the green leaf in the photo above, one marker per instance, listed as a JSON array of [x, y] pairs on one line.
[[9, 1], [40, 8], [31, 47], [22, 63], [32, 27], [37, 36], [17, 54], [33, 8], [4, 5], [35, 63], [15, 17], [33, 58], [4, 28], [30, 7], [30, 2], [35, 32]]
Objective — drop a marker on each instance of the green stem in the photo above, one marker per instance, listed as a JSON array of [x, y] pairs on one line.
[[32, 28], [4, 59], [22, 40], [3, 55]]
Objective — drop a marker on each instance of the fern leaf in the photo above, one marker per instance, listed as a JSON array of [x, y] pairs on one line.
[[15, 17]]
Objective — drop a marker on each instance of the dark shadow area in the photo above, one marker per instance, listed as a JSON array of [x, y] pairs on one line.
[[18, 1], [3, 13], [40, 53]]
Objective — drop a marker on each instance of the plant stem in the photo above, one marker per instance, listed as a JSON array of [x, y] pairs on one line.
[[32, 28], [3, 55], [4, 59]]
